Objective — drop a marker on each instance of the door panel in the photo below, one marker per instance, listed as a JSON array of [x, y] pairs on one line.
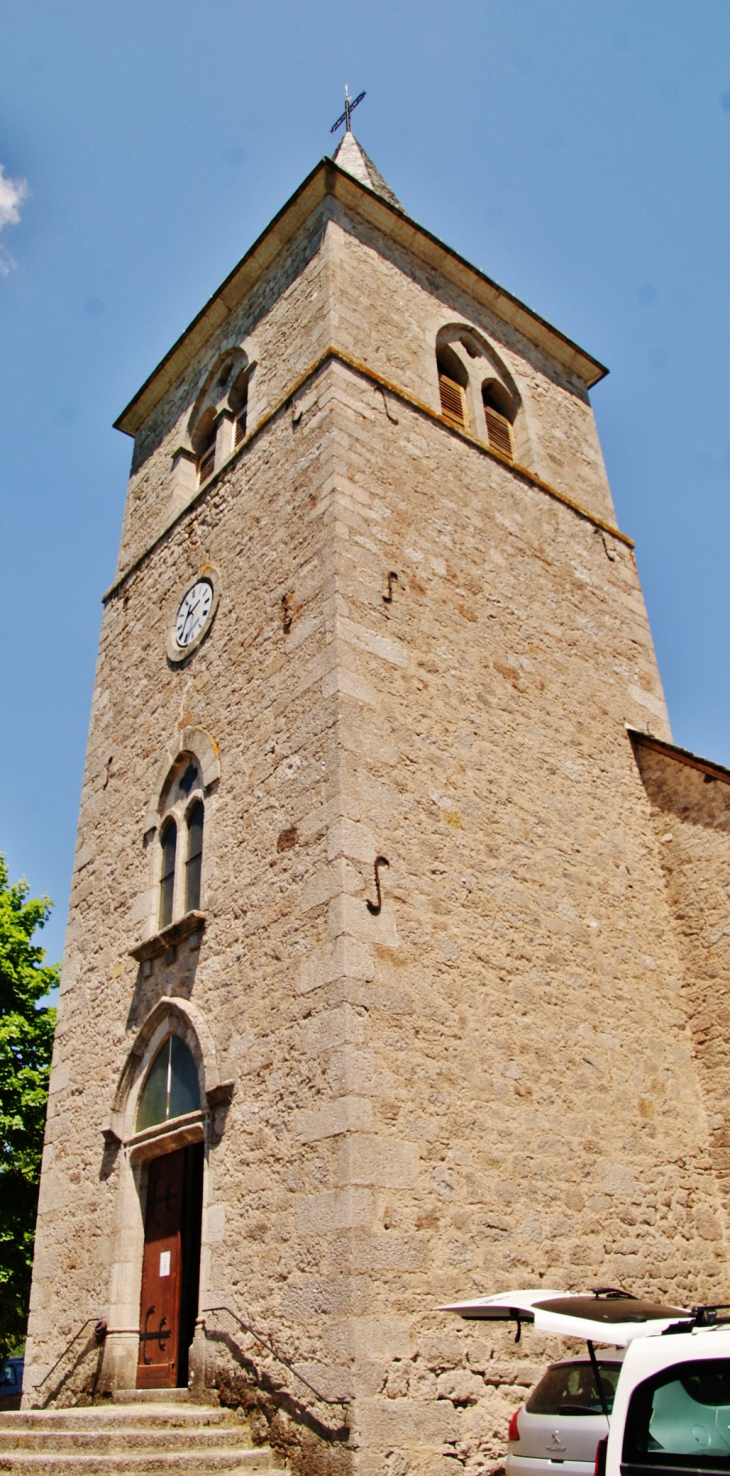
[[159, 1319], [190, 1249]]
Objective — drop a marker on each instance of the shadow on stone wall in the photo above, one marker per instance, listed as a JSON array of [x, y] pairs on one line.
[[309, 1444]]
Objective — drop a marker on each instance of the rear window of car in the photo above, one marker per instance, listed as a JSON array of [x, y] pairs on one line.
[[680, 1419], [570, 1388]]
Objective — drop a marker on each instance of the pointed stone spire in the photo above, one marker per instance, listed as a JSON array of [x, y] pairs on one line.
[[351, 156]]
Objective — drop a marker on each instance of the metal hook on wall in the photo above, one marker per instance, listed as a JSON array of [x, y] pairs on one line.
[[374, 907], [388, 599]]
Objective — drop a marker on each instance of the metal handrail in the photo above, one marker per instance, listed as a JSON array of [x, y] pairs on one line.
[[284, 1361], [99, 1336]]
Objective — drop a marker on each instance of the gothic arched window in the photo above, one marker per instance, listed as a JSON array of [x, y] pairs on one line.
[[194, 863], [167, 876], [172, 1087], [181, 840]]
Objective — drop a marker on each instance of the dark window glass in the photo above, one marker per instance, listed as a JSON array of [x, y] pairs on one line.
[[570, 1388], [153, 1101], [188, 779], [680, 1419], [167, 879], [194, 863], [184, 1095], [172, 1087]]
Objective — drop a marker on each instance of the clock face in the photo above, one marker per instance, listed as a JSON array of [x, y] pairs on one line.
[[193, 613]]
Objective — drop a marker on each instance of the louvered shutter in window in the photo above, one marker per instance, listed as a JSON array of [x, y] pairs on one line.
[[452, 402], [499, 431], [240, 430], [206, 465]]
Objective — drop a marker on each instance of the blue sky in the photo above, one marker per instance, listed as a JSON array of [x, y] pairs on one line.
[[577, 152]]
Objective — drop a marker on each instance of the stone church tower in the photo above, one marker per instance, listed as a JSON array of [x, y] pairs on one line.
[[388, 931]]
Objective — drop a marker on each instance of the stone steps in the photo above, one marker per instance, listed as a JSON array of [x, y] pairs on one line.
[[142, 1416], [157, 1441], [142, 1439]]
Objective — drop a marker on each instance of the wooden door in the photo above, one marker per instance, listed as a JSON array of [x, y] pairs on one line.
[[159, 1314]]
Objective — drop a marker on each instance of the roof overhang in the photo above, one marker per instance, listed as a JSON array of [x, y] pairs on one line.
[[680, 755], [328, 179]]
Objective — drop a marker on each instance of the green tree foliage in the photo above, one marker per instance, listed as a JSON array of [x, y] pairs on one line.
[[26, 1041]]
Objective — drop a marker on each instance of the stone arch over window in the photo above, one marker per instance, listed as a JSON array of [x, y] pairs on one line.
[[218, 420], [169, 1017], [203, 749], [477, 392]]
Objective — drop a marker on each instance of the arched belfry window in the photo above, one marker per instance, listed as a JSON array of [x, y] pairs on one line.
[[477, 392], [181, 841], [217, 425], [172, 1087]]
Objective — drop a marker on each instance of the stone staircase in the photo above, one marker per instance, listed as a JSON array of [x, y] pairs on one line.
[[143, 1438]]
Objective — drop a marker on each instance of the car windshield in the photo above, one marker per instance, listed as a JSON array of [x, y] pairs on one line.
[[681, 1417], [570, 1388]]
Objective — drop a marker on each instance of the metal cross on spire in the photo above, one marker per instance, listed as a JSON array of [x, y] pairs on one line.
[[350, 103]]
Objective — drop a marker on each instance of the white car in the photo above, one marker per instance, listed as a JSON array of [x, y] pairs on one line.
[[562, 1421], [671, 1406]]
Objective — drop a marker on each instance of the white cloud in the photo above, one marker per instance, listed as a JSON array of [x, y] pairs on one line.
[[12, 195]]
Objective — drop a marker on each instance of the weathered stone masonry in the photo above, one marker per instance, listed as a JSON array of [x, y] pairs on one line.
[[505, 1074]]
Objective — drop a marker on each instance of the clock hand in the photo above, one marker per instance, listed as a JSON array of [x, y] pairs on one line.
[[189, 617]]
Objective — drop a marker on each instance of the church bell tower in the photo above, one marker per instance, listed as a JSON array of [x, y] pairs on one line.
[[369, 996]]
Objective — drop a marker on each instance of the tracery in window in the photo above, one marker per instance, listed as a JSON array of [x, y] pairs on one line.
[[172, 1087]]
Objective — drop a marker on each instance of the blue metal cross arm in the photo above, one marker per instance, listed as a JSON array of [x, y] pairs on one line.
[[350, 103]]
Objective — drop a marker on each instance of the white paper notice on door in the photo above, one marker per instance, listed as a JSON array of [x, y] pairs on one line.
[[164, 1263]]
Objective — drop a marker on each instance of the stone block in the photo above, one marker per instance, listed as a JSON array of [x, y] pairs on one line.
[[383, 1162], [380, 1338], [332, 1028], [343, 1115], [350, 915], [334, 1209], [387, 1423]]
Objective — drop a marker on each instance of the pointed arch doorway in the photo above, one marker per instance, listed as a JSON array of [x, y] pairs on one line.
[[173, 1214]]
